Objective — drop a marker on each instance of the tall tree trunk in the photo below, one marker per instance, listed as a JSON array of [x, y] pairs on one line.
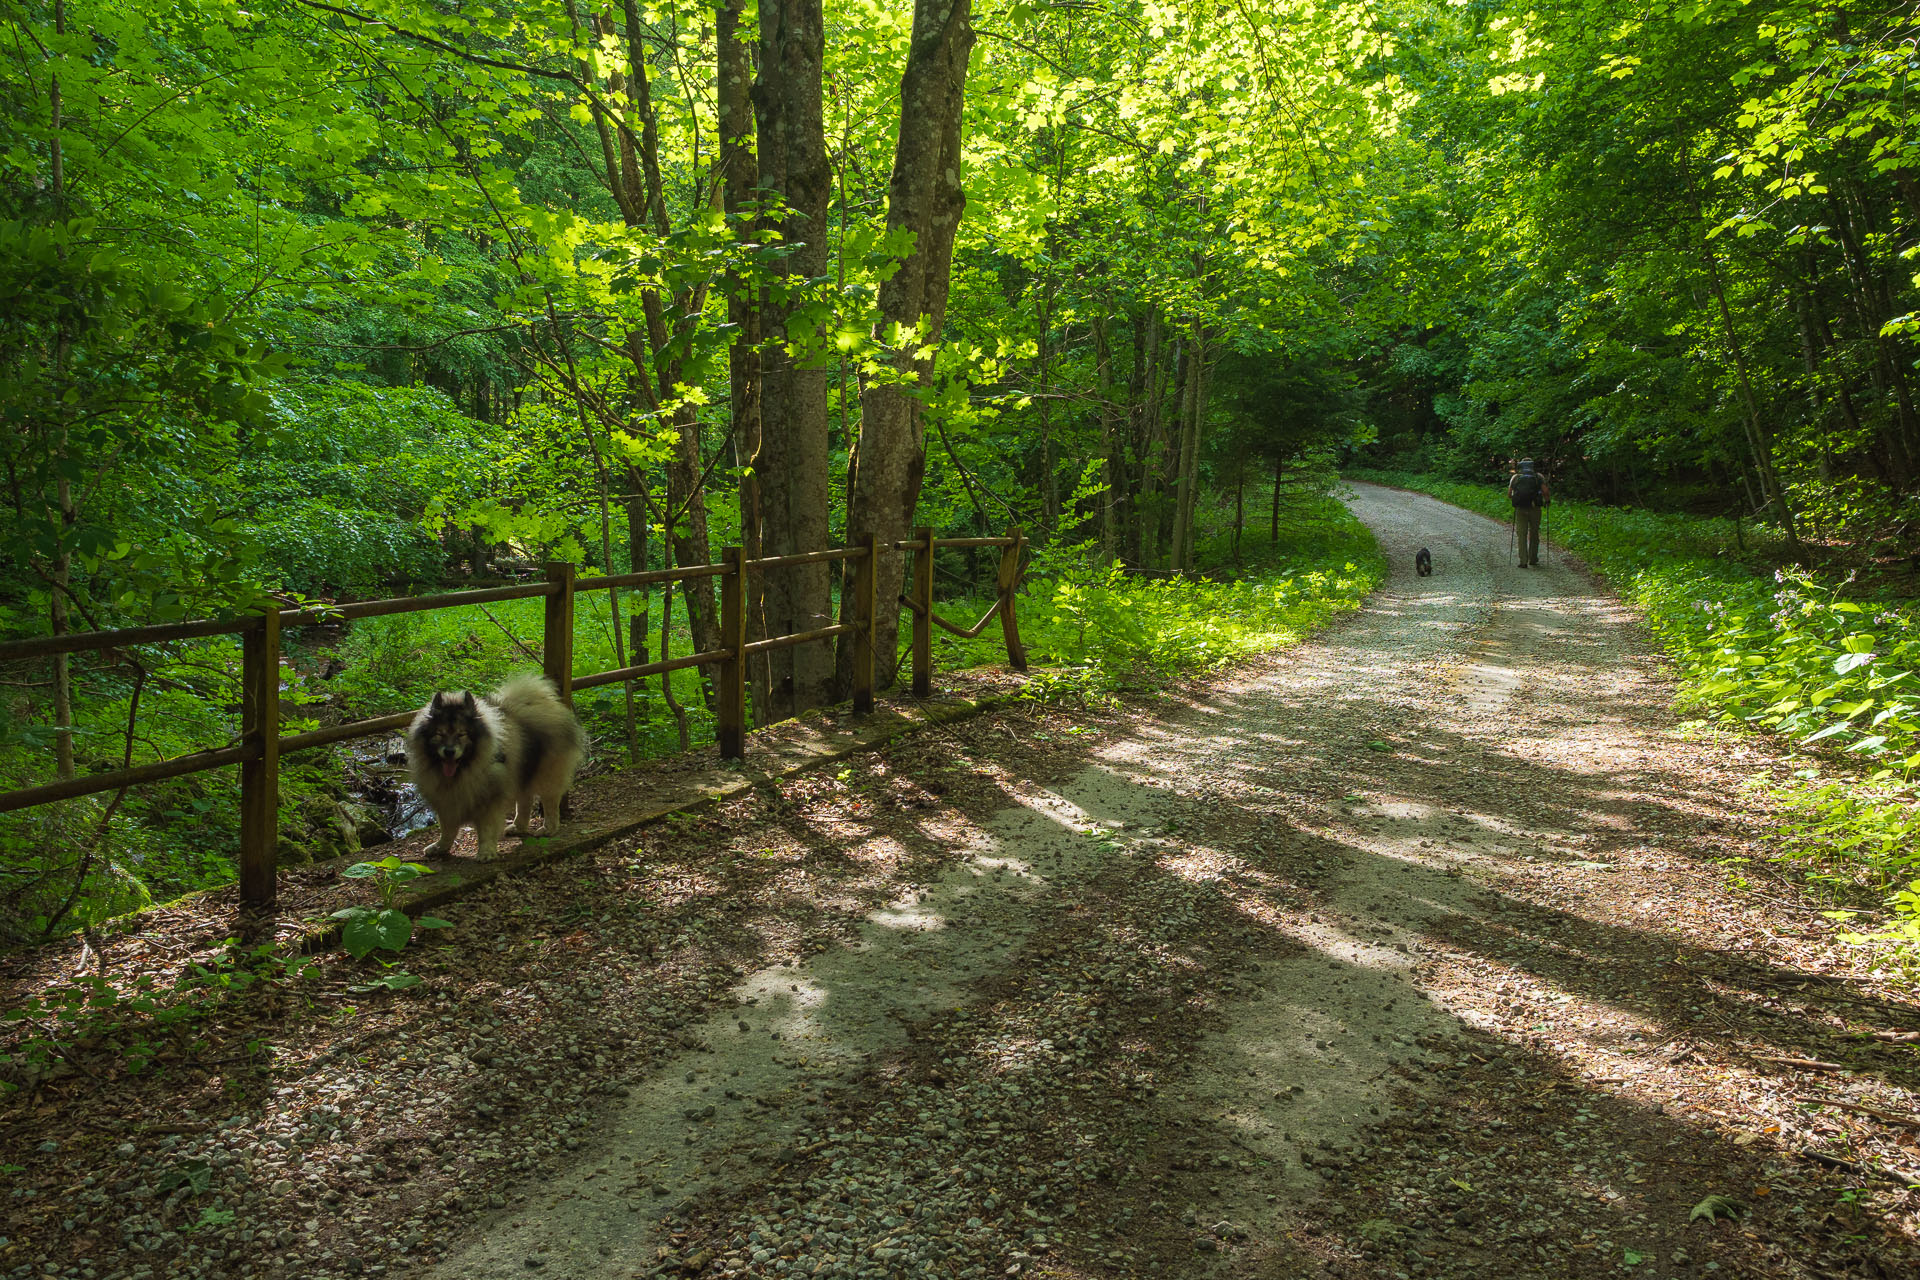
[[733, 97], [687, 509], [1141, 395], [1049, 482], [1111, 446], [1187, 474], [62, 576], [792, 464], [925, 200], [1273, 532], [1167, 495], [637, 522], [1239, 510]]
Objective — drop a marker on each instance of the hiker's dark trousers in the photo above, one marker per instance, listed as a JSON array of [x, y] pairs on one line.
[[1526, 527]]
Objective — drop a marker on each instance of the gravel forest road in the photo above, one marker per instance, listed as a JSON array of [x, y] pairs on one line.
[[1402, 953]]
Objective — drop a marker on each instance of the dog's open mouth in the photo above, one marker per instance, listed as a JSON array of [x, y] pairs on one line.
[[449, 767]]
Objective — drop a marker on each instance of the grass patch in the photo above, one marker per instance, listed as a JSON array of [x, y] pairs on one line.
[[1776, 649], [1102, 629]]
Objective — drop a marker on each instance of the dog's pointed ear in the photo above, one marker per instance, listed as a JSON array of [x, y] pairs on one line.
[[439, 700], [466, 700]]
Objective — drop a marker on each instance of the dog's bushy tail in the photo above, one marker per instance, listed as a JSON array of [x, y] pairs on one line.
[[525, 692], [531, 700]]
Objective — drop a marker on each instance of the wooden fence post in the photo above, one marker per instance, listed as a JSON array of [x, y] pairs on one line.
[[732, 730], [1008, 580], [923, 616], [866, 573], [260, 771], [557, 629]]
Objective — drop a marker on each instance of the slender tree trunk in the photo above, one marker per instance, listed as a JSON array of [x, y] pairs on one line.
[[1167, 449], [1879, 444], [1874, 307], [633, 178], [1049, 482], [637, 522], [1177, 447], [1756, 428], [1111, 446], [733, 98], [1140, 393], [924, 199], [1273, 533], [687, 507], [795, 447], [57, 620], [1239, 511]]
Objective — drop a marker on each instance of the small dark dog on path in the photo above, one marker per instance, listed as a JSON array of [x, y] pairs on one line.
[[1423, 563]]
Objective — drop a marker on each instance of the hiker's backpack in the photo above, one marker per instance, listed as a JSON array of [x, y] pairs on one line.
[[1526, 489]]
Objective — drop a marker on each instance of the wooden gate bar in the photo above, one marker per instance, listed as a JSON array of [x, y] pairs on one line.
[[125, 638], [620, 675], [409, 604], [799, 637], [1009, 579], [556, 649], [260, 772], [808, 557], [94, 783], [686, 573], [865, 573], [341, 732], [965, 633], [923, 613], [731, 730]]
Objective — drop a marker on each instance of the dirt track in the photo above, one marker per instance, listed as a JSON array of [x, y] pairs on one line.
[[1403, 953], [1428, 872]]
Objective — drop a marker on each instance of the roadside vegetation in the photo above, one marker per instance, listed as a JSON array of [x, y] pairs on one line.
[[1772, 646]]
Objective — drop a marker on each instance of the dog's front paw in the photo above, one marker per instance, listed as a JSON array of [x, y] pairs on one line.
[[442, 847], [519, 831]]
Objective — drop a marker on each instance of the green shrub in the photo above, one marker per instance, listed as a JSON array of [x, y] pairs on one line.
[[1120, 629], [351, 551]]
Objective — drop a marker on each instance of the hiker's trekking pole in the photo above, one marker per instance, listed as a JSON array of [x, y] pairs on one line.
[[1513, 532]]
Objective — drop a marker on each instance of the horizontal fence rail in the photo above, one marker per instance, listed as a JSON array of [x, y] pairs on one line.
[[262, 745]]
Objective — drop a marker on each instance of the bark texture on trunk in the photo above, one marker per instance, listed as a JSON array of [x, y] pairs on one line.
[[733, 99], [1187, 461], [925, 200], [791, 465], [1112, 448]]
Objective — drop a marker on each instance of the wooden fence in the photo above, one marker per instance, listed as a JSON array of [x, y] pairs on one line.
[[261, 745]]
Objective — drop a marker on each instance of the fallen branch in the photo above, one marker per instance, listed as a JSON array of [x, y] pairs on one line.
[[1805, 1064], [518, 643], [1911, 1122]]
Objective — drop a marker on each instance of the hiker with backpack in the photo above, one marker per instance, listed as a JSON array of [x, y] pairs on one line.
[[1528, 492]]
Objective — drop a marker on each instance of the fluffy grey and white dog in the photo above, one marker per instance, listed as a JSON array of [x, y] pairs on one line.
[[478, 760]]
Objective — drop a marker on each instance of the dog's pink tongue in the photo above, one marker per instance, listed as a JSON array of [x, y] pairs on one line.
[[449, 767]]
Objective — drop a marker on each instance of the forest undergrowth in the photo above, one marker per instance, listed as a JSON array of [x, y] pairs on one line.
[[1766, 644]]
